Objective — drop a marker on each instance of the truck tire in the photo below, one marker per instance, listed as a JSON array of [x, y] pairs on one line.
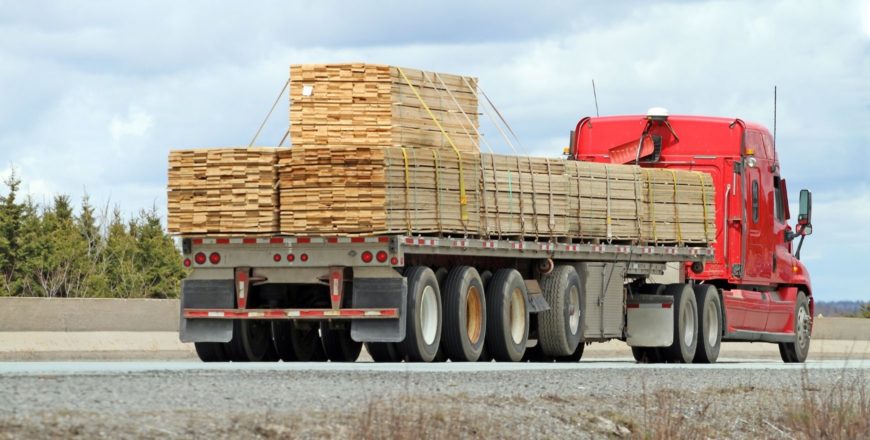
[[423, 320], [234, 349], [685, 325], [210, 351], [256, 339], [464, 308], [647, 355], [797, 351], [709, 323], [282, 341], [338, 345], [560, 328], [507, 316], [575, 356], [383, 351]]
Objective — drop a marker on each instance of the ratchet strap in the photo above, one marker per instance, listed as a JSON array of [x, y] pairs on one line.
[[704, 202], [463, 199], [652, 204], [677, 210]]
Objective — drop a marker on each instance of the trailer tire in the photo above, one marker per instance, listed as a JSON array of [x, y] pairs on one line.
[[709, 324], [423, 315], [575, 356], [338, 345], [210, 351], [685, 325], [560, 328], [507, 320], [647, 355], [256, 339], [383, 351], [464, 332], [797, 351]]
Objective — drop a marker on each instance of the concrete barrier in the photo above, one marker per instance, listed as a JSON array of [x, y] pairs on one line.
[[161, 315], [88, 314]]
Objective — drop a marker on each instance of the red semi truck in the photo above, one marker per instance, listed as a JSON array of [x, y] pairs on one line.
[[417, 298]]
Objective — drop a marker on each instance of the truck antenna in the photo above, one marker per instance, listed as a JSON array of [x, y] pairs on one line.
[[774, 118], [595, 96]]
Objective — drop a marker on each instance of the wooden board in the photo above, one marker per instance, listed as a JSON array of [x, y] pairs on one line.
[[223, 191]]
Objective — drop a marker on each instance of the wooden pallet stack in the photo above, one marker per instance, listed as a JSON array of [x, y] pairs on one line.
[[221, 191], [349, 125]]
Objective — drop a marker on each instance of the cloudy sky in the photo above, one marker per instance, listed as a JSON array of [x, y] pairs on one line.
[[94, 93]]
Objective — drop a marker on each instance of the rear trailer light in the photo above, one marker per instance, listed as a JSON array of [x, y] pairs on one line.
[[187, 262], [394, 261], [382, 256], [366, 257], [291, 257], [276, 257], [303, 257], [199, 258], [215, 258]]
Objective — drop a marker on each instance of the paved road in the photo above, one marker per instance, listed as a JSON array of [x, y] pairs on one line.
[[29, 368]]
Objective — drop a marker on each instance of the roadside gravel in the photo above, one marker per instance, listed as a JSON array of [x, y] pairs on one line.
[[589, 403]]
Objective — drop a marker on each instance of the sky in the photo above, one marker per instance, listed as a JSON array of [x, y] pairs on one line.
[[93, 94]]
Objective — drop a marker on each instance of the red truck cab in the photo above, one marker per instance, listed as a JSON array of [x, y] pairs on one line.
[[765, 288]]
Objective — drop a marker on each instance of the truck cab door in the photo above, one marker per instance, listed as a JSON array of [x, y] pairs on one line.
[[758, 264]]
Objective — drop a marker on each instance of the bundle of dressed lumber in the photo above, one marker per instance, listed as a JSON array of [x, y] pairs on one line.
[[542, 197], [223, 191], [355, 126], [377, 106]]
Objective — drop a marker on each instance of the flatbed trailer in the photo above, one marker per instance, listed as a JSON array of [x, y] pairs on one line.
[[353, 290]]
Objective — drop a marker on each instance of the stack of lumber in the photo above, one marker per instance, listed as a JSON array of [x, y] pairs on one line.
[[223, 191], [378, 106], [358, 130], [542, 197], [354, 191]]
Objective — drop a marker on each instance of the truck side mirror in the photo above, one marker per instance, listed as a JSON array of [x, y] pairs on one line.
[[805, 213]]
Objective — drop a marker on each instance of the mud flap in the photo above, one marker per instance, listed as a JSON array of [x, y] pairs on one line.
[[379, 293], [207, 294]]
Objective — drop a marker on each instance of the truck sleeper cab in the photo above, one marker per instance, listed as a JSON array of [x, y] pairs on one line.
[[764, 287]]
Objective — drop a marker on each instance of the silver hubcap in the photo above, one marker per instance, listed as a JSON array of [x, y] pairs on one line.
[[574, 310], [689, 314], [803, 327], [518, 316], [711, 318], [428, 314]]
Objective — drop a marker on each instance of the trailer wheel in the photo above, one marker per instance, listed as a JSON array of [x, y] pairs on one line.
[[464, 315], [507, 320], [338, 345], [709, 324], [560, 328], [423, 333], [256, 338], [210, 351], [685, 325], [575, 356], [797, 351], [383, 351], [647, 355]]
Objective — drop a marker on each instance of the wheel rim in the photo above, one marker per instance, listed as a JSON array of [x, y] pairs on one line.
[[688, 324], [803, 327], [574, 310], [473, 315], [428, 315], [518, 316], [711, 318]]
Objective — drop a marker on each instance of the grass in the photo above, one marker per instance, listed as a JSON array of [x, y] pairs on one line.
[[837, 411]]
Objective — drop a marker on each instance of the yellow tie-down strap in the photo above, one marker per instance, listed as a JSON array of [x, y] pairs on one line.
[[704, 201], [463, 199]]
